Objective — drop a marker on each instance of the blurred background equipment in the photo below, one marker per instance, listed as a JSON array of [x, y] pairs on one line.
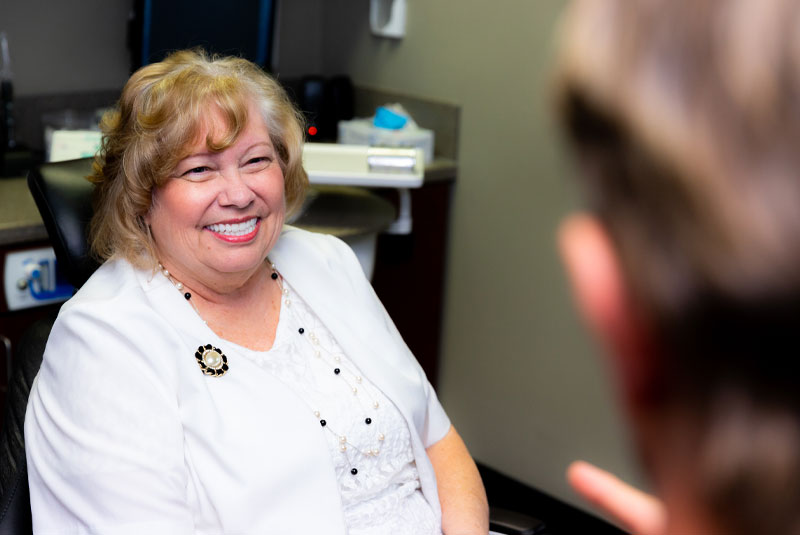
[[243, 28]]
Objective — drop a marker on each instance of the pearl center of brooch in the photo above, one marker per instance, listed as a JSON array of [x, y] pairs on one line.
[[212, 359]]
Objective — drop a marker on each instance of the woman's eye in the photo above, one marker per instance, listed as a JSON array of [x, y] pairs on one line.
[[196, 170], [259, 159]]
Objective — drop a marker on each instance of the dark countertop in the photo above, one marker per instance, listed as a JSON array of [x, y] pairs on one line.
[[20, 222]]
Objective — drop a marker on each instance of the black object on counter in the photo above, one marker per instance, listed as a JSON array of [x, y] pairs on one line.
[[15, 160], [7, 138], [324, 102]]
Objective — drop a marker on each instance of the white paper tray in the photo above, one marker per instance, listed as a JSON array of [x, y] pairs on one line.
[[347, 165]]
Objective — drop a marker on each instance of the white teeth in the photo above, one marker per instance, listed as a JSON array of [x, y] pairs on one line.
[[236, 229]]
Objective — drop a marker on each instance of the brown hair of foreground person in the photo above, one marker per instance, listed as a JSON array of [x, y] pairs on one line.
[[162, 109], [685, 117]]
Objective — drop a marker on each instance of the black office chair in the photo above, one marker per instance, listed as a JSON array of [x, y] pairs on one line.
[[63, 197]]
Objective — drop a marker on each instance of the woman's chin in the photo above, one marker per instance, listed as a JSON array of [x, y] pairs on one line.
[[234, 264]]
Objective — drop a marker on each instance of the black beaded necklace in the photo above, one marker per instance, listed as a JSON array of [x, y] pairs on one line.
[[188, 296]]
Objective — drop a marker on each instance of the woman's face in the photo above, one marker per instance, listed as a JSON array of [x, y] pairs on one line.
[[220, 213]]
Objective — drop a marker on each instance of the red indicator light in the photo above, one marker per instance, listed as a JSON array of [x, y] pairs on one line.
[[312, 130]]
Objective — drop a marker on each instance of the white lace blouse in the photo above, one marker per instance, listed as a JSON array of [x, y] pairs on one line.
[[367, 436]]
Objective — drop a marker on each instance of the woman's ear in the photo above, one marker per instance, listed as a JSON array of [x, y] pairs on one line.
[[603, 299], [147, 216]]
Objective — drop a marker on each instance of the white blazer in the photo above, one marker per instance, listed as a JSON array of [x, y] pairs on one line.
[[124, 434]]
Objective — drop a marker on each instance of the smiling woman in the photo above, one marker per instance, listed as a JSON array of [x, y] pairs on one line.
[[221, 371], [170, 116], [214, 221], [220, 212]]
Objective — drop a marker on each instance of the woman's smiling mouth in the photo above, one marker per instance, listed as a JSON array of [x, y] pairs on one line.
[[242, 231]]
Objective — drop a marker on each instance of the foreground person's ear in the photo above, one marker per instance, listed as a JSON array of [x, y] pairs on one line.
[[594, 274], [603, 299]]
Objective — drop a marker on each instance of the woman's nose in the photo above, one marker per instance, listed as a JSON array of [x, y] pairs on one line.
[[235, 190]]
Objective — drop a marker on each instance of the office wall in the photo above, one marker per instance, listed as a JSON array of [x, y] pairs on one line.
[[518, 376], [66, 46], [298, 38]]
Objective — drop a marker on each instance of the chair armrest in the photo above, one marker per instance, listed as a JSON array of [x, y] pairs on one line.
[[513, 523]]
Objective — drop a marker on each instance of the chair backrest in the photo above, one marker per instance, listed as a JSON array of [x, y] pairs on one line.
[[64, 198]]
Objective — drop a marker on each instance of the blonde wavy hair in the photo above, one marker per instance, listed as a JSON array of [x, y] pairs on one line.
[[159, 115]]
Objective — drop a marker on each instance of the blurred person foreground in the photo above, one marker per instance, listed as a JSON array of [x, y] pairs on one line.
[[684, 117]]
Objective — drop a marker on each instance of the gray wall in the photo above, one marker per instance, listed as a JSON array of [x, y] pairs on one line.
[[66, 46], [518, 377], [298, 44]]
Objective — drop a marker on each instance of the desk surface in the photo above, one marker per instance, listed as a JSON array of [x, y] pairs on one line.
[[19, 218], [20, 222]]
